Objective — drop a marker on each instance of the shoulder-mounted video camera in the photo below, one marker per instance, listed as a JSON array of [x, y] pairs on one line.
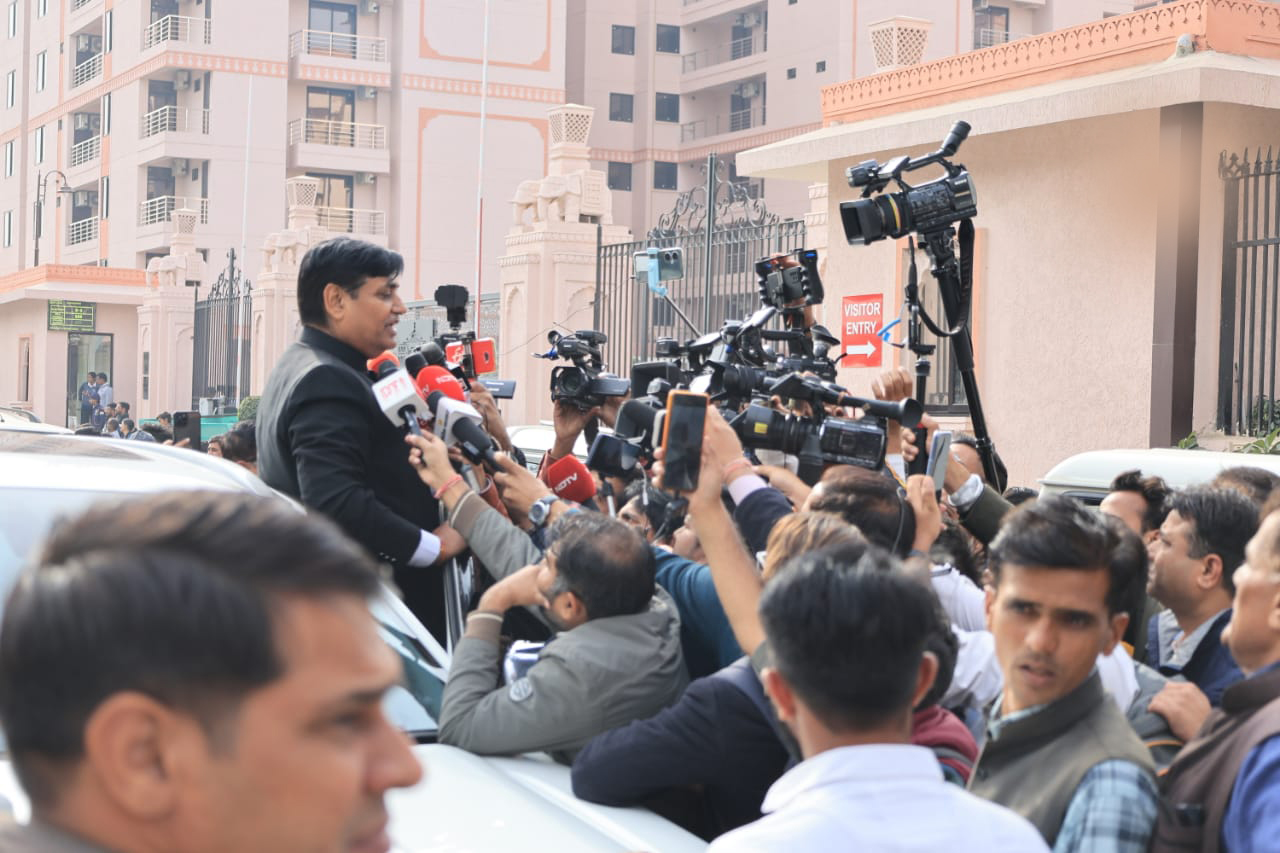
[[585, 382]]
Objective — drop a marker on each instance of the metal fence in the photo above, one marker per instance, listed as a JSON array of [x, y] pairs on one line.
[[222, 342], [1247, 359], [719, 283]]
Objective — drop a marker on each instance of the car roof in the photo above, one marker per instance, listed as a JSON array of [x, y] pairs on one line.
[[1095, 469], [10, 419], [87, 463]]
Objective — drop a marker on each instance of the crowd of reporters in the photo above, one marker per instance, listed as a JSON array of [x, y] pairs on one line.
[[852, 659]]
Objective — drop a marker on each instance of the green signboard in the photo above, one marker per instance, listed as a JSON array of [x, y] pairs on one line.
[[69, 316]]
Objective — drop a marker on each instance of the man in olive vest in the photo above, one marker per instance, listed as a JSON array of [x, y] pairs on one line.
[[1223, 790], [1059, 751]]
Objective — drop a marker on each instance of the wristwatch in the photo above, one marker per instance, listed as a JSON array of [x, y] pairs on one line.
[[540, 510]]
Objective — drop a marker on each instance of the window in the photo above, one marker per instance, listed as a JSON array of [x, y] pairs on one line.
[[666, 107], [821, 66], [990, 26], [146, 376], [8, 228], [664, 175], [10, 88], [40, 67], [107, 19], [39, 145], [621, 107], [329, 116], [104, 197], [13, 19], [42, 8], [668, 39], [624, 40], [791, 74], [619, 176], [8, 159], [24, 366], [331, 17], [106, 114]]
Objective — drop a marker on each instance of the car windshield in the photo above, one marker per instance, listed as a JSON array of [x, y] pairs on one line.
[[27, 515]]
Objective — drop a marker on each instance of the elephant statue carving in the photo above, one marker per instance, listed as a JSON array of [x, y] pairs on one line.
[[576, 197], [281, 250]]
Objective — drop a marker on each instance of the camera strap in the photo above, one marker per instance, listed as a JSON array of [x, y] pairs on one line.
[[963, 273]]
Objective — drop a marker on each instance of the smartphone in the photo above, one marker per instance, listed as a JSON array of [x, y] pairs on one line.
[[939, 455], [682, 440], [187, 425]]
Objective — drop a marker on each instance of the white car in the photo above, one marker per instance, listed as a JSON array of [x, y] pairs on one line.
[[464, 802], [1087, 476]]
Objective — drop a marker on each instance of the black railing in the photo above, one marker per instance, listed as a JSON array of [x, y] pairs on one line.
[[221, 345], [1247, 363]]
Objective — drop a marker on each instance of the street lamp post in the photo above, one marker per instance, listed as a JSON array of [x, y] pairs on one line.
[[42, 186]]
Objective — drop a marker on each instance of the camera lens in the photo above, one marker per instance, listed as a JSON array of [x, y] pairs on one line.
[[573, 382]]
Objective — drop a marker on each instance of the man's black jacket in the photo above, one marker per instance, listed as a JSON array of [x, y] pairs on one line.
[[323, 439]]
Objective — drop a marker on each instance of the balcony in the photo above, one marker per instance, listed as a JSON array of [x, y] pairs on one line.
[[86, 151], [984, 37], [338, 45], [177, 28], [86, 71], [722, 53], [338, 146], [732, 122], [319, 55], [80, 4], [174, 120], [155, 211], [348, 220], [82, 231]]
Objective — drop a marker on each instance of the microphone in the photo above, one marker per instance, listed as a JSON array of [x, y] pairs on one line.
[[398, 397], [432, 353], [375, 364], [571, 480], [458, 424], [436, 378], [414, 362]]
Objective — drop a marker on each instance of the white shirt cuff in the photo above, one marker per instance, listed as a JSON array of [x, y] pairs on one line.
[[427, 551], [967, 495], [897, 465], [745, 485]]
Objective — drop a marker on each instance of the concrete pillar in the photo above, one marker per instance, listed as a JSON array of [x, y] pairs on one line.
[[166, 322], [549, 270]]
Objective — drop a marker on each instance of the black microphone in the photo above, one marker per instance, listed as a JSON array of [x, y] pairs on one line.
[[458, 424], [432, 352], [414, 362]]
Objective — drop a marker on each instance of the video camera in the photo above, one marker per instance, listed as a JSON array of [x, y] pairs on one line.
[[462, 353], [925, 208], [584, 383]]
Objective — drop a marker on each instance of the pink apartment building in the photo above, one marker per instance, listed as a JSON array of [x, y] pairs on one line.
[[116, 115]]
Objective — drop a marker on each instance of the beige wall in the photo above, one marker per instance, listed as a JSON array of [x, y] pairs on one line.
[[1063, 302]]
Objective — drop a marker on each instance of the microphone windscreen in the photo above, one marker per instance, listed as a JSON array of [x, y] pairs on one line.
[[385, 369], [387, 357], [571, 480], [436, 378], [414, 362], [484, 358], [432, 353]]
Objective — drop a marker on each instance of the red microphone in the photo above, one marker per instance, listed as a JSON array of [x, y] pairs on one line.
[[483, 357], [433, 377], [571, 480], [387, 357]]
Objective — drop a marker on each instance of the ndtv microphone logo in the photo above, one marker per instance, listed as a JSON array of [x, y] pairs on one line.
[[395, 387], [560, 486]]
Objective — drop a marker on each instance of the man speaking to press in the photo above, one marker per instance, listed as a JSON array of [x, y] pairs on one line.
[[322, 436]]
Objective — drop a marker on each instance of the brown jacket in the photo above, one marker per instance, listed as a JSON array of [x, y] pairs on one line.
[[1196, 790]]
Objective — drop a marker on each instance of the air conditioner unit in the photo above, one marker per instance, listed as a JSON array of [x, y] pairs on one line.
[[82, 121], [369, 7], [368, 93], [82, 43], [366, 178], [84, 198], [749, 90], [181, 167], [182, 79], [751, 20]]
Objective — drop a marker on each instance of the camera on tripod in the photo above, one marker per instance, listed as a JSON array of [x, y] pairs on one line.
[[583, 383], [925, 208]]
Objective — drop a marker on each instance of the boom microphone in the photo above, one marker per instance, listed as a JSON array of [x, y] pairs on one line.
[[571, 480], [458, 424], [398, 397]]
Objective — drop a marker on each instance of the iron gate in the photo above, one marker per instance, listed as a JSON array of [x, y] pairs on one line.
[[719, 283], [220, 363]]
